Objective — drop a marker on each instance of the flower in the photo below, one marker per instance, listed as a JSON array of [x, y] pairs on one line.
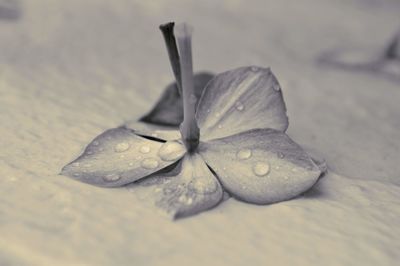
[[232, 140]]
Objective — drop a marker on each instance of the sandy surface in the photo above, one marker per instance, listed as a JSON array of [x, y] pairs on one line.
[[70, 70]]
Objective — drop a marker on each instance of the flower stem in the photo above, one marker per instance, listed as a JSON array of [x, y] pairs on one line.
[[167, 30], [189, 130]]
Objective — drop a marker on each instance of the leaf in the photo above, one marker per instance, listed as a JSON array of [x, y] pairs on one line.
[[260, 166], [187, 189], [118, 157], [169, 108], [239, 100]]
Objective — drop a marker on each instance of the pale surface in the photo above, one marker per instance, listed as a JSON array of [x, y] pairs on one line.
[[71, 69]]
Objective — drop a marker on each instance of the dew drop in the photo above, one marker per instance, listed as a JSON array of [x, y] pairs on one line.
[[239, 106], [168, 190], [243, 154], [171, 151], [149, 163], [261, 169], [192, 99], [189, 201], [254, 68], [182, 198], [121, 147], [145, 149], [203, 186], [111, 177], [276, 87]]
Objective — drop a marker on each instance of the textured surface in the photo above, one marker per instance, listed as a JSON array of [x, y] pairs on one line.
[[71, 69]]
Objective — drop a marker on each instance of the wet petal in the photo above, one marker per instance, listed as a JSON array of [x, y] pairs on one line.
[[239, 100], [154, 131], [186, 190], [118, 157], [261, 166], [169, 108]]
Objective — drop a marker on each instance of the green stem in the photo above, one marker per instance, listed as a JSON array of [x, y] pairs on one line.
[[189, 130], [167, 30]]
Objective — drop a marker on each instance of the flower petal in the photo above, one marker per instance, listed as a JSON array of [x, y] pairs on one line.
[[239, 100], [169, 108], [261, 166], [154, 131], [118, 157], [186, 190]]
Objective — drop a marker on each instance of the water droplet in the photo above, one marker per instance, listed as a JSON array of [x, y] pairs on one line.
[[243, 154], [111, 177], [239, 106], [182, 198], [254, 68], [171, 151], [189, 201], [168, 190], [121, 147], [192, 99], [281, 155], [261, 168], [276, 87], [145, 149], [149, 163], [203, 185], [95, 143]]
